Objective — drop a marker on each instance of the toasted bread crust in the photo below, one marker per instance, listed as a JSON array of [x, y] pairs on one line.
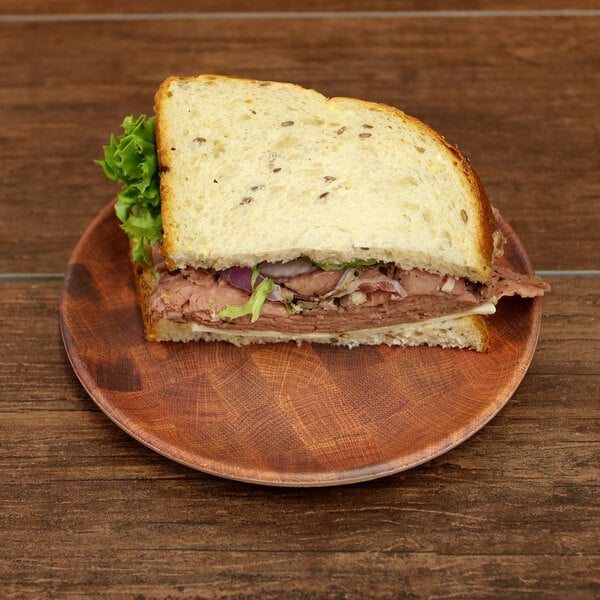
[[145, 280], [485, 214]]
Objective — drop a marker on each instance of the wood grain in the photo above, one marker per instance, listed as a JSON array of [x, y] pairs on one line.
[[80, 7], [518, 95], [511, 513], [86, 511]]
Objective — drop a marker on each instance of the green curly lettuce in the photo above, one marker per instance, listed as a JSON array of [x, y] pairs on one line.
[[131, 159]]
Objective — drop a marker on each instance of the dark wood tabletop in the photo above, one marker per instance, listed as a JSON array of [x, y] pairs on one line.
[[86, 511]]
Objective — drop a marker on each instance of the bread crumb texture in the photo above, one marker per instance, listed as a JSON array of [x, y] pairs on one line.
[[253, 169]]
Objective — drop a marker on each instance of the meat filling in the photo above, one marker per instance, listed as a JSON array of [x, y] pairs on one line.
[[334, 301]]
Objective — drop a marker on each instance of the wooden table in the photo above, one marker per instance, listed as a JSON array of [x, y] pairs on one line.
[[87, 512]]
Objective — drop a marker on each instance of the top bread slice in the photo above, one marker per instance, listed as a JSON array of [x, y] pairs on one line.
[[259, 170]]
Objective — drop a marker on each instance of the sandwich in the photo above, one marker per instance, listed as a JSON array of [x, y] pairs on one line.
[[261, 212]]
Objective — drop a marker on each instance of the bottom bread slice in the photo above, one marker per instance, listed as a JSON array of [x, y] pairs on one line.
[[468, 331]]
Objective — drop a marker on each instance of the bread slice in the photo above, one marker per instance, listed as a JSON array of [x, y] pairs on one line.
[[254, 170], [467, 330]]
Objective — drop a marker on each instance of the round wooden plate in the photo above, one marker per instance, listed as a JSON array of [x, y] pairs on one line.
[[281, 414]]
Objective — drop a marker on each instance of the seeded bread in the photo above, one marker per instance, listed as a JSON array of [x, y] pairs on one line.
[[469, 331], [254, 170]]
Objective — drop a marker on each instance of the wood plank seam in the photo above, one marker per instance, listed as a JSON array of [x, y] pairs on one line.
[[414, 14]]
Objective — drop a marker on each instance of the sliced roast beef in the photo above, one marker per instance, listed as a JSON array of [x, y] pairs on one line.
[[417, 282], [504, 281], [336, 301], [195, 295], [315, 283]]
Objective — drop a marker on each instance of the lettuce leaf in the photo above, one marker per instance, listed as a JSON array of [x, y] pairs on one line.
[[347, 265], [131, 160], [255, 302]]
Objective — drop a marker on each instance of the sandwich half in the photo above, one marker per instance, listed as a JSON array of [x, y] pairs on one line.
[[264, 212]]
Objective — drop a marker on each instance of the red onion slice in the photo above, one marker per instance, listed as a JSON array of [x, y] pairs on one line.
[[291, 268], [241, 277]]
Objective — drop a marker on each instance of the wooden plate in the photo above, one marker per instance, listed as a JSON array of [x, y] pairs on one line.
[[281, 414]]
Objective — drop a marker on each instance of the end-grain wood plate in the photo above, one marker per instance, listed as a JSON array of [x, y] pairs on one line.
[[281, 414]]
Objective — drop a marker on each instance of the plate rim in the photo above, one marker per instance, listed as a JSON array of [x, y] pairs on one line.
[[226, 469]]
